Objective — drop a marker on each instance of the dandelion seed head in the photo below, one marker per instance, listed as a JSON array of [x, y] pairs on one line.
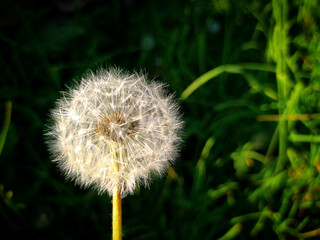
[[115, 129]]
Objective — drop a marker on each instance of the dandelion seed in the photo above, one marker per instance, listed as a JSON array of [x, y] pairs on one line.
[[114, 130]]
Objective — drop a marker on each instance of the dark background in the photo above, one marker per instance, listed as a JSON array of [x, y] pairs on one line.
[[226, 184]]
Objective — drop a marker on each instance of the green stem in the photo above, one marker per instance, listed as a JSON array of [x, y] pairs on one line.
[[280, 45]]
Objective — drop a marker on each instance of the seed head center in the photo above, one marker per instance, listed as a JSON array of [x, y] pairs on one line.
[[116, 127]]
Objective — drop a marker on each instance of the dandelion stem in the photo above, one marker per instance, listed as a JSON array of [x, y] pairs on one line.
[[116, 215]]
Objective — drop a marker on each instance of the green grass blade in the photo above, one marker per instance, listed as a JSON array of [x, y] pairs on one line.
[[7, 119]]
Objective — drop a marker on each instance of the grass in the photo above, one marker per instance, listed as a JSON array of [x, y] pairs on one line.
[[248, 77]]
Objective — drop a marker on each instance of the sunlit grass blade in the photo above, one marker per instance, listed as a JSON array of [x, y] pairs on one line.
[[228, 68], [304, 138], [232, 233]]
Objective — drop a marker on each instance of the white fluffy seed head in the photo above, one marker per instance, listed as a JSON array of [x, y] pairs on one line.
[[114, 129]]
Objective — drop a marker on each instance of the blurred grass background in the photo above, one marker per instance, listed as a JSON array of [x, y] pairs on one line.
[[247, 74]]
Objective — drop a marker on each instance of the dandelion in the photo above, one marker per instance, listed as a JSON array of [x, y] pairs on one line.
[[114, 131]]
